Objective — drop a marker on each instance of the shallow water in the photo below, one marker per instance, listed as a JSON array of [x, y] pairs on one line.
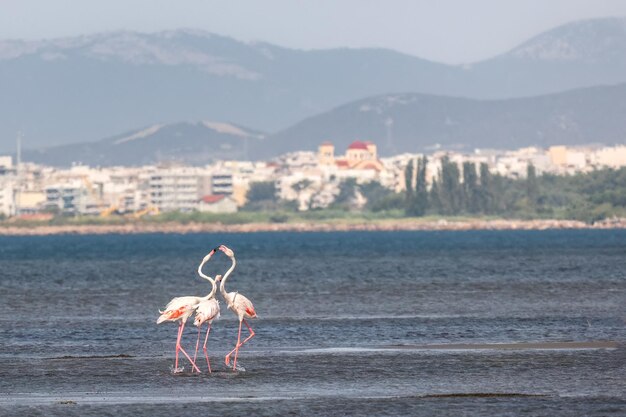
[[347, 324]]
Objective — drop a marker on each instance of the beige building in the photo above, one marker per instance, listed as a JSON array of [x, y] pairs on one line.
[[613, 157], [217, 204], [568, 159], [558, 155], [359, 155], [326, 153], [29, 201]]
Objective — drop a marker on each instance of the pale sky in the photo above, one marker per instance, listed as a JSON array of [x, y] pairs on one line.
[[451, 31]]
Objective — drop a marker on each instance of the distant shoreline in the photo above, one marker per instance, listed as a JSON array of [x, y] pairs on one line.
[[374, 225]]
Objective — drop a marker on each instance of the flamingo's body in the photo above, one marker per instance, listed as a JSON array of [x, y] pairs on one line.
[[207, 311], [238, 304], [180, 309]]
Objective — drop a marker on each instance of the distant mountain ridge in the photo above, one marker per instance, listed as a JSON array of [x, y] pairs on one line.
[[584, 40], [87, 87], [415, 122], [397, 123], [194, 143]]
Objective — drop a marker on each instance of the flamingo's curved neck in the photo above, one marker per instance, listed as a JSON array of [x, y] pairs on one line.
[[226, 275], [208, 278]]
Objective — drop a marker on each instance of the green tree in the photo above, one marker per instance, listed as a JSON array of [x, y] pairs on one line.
[[450, 192], [532, 188], [486, 190], [261, 197], [433, 197], [408, 184], [420, 204], [260, 191], [470, 188], [380, 198], [347, 191]]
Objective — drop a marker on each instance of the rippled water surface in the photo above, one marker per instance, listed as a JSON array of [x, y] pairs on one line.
[[362, 323]]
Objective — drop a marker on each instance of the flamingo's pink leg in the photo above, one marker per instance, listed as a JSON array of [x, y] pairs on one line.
[[177, 345], [206, 338], [246, 339], [195, 355], [193, 364], [227, 358]]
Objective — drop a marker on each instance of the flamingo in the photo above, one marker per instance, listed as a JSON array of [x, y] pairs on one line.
[[180, 309], [207, 311], [239, 304]]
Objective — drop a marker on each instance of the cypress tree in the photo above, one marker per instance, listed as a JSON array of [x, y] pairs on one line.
[[470, 187], [434, 196], [487, 203], [532, 189], [408, 183], [421, 190], [450, 192]]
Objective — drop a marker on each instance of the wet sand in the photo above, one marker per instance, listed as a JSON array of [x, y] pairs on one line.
[[513, 346]]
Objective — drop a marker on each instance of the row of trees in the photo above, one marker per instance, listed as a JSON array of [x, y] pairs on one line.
[[474, 190]]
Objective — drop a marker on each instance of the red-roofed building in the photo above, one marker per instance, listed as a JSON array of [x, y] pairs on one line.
[[217, 204], [357, 144], [212, 199], [359, 155]]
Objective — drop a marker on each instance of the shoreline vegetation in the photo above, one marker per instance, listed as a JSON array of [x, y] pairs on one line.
[[88, 226], [471, 199]]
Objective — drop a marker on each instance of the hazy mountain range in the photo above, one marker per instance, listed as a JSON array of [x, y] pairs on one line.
[[193, 143], [407, 122], [80, 89], [414, 122], [88, 87]]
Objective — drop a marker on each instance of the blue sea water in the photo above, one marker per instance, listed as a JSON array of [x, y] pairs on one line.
[[351, 323]]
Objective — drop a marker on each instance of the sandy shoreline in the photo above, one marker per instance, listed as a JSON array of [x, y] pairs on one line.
[[378, 225]]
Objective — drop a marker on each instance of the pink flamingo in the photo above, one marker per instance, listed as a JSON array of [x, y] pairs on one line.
[[180, 309], [207, 311], [239, 304]]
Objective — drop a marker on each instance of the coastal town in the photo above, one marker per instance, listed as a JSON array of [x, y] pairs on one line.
[[310, 180]]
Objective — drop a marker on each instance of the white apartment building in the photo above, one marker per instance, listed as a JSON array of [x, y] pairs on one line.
[[7, 198], [221, 183], [71, 197], [233, 178], [612, 157], [6, 165], [178, 188]]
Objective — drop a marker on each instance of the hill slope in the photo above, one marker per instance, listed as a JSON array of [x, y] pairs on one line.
[[416, 122], [195, 143]]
